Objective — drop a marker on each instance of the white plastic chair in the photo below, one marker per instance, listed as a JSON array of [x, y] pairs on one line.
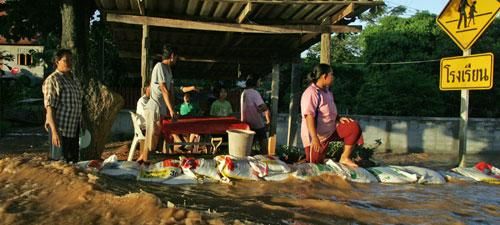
[[138, 136]]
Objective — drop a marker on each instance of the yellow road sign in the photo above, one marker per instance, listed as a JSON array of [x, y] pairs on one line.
[[473, 72], [465, 20]]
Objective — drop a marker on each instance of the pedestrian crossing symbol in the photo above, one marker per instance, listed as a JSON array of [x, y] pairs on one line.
[[465, 20]]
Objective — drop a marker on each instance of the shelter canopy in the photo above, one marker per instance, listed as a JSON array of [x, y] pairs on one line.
[[216, 37]]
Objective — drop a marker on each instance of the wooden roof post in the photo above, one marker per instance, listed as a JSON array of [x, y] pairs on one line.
[[294, 104], [271, 144], [325, 48], [144, 56]]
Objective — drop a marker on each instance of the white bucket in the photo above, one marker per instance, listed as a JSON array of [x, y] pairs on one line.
[[240, 142]]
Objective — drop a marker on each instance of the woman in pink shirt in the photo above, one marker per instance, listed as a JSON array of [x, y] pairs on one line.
[[320, 121]]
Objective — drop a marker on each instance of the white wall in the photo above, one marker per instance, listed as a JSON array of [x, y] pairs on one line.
[[398, 134], [15, 50]]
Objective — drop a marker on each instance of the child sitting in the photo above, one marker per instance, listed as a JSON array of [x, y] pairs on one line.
[[221, 107]]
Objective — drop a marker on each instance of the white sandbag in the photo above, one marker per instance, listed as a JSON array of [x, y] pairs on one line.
[[122, 169], [110, 161], [454, 177], [392, 175], [260, 168], [424, 175], [278, 177], [235, 168], [181, 179], [160, 172], [358, 175], [89, 165], [200, 168], [305, 171], [274, 164], [476, 174]]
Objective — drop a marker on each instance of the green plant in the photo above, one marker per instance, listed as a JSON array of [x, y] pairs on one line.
[[290, 154]]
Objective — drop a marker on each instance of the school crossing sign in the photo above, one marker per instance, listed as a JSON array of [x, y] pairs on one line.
[[465, 20]]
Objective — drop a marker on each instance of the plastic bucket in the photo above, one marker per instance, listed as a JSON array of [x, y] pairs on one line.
[[240, 142]]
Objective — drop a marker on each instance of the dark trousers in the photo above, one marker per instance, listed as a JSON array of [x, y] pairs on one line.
[[70, 148]]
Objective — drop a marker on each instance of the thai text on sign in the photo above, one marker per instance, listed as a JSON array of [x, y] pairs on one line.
[[467, 72]]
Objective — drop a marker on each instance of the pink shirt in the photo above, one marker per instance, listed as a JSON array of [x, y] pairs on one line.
[[327, 113], [250, 101]]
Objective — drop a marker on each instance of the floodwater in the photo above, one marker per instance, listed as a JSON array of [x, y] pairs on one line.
[[330, 200], [322, 200]]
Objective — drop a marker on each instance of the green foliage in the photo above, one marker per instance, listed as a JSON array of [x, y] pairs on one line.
[[377, 86], [104, 62], [292, 154], [30, 19]]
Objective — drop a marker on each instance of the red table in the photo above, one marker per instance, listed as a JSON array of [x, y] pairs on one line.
[[201, 125]]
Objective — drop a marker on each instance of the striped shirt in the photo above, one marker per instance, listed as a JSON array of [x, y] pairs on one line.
[[64, 94]]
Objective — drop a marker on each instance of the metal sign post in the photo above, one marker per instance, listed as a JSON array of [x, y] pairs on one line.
[[464, 21], [464, 119]]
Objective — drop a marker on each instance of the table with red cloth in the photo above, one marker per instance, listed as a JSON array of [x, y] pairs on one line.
[[201, 125]]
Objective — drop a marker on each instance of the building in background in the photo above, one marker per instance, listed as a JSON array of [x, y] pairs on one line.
[[23, 62]]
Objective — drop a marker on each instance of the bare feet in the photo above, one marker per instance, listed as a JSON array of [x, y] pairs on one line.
[[349, 163]]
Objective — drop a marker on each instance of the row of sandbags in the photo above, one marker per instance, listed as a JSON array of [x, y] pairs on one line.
[[225, 168]]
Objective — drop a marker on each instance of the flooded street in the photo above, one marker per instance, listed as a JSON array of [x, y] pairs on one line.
[[321, 200], [329, 199]]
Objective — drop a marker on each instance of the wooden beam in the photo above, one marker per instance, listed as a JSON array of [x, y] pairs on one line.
[[233, 12], [294, 104], [345, 12], [274, 109], [144, 55], [305, 2], [191, 7], [325, 48], [215, 59], [245, 12], [229, 27], [142, 8]]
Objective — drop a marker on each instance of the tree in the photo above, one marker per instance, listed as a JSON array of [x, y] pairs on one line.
[[381, 85], [100, 104], [69, 22]]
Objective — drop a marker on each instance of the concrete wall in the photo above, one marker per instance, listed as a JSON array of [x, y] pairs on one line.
[[417, 134], [398, 134]]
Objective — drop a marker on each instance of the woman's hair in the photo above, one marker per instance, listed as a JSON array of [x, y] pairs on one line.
[[317, 71], [167, 51], [60, 54], [251, 81]]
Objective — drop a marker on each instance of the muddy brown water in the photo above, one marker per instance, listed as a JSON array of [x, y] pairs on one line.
[[322, 200], [330, 200]]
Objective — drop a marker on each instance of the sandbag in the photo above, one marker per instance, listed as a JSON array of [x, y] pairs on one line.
[[424, 175], [274, 164], [476, 174], [180, 179], [160, 172], [121, 169], [89, 165], [305, 171], [358, 175], [454, 177], [235, 168], [278, 177], [200, 168], [392, 175]]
